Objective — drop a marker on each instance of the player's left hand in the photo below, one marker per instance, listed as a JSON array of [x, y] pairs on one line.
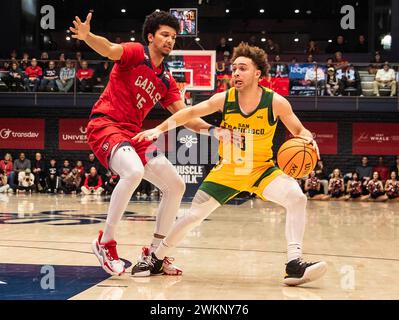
[[147, 135], [311, 141], [227, 135]]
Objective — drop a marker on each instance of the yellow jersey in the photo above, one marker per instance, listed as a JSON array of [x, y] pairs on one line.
[[257, 130]]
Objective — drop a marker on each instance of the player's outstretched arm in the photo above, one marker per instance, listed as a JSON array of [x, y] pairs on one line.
[[282, 109], [101, 45], [215, 103]]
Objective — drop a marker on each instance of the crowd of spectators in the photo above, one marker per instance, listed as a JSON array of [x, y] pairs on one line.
[[58, 75], [86, 177], [376, 183], [335, 76]]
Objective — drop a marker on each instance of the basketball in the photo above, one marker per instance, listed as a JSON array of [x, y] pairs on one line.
[[297, 158]]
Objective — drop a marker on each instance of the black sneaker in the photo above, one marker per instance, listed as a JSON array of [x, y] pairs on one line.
[[149, 265], [298, 272]]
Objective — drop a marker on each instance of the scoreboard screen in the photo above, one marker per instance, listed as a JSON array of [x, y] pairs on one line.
[[187, 18]]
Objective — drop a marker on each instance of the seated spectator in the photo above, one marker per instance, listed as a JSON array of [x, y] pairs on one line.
[[33, 74], [336, 186], [321, 174], [67, 77], [376, 189], [309, 59], [64, 172], [354, 188], [81, 169], [395, 167], [71, 182], [312, 48], [26, 181], [52, 177], [279, 69], [339, 62], [44, 59], [50, 76], [272, 48], [221, 48], [15, 80], [61, 61], [376, 64], [223, 67], [85, 78], [93, 183], [315, 77], [365, 172], [110, 183], [101, 74], [330, 63], [21, 164], [338, 45], [351, 79], [332, 83], [312, 187], [361, 45], [4, 186], [7, 167], [92, 162], [392, 187], [382, 169], [78, 58], [25, 61], [39, 171], [385, 78]]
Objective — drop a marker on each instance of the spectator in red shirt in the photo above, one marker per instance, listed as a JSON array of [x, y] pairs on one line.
[[81, 169], [85, 78], [7, 167], [382, 169], [93, 183], [33, 74]]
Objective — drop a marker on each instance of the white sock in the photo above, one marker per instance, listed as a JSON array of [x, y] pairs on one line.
[[161, 173], [294, 251], [286, 192], [203, 205], [127, 164]]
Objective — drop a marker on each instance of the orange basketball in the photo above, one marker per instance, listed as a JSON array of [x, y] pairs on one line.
[[296, 158]]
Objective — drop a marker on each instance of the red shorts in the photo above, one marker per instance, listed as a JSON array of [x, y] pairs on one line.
[[103, 134]]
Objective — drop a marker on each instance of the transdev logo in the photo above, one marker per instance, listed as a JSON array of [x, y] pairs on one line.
[[6, 133]]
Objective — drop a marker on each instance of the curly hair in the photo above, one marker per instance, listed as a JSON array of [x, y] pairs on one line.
[[256, 54], [155, 19]]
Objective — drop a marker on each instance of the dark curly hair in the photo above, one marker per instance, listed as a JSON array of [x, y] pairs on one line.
[[155, 19], [256, 54]]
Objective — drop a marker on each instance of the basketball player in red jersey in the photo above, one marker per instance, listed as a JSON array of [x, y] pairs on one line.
[[137, 82]]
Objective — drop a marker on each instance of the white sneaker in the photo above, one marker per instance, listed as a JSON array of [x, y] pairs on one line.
[[107, 256], [168, 267]]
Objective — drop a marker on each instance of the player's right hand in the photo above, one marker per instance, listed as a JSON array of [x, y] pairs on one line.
[[148, 135], [82, 29]]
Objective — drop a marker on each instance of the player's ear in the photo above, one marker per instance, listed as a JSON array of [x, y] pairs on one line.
[[150, 37]]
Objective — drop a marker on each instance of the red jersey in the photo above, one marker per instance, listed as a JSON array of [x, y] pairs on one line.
[[35, 72], [84, 74], [135, 86]]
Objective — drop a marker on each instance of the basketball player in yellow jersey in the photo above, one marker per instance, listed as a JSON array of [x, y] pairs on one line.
[[251, 112]]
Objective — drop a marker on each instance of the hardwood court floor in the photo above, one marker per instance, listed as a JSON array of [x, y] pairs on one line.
[[239, 253]]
